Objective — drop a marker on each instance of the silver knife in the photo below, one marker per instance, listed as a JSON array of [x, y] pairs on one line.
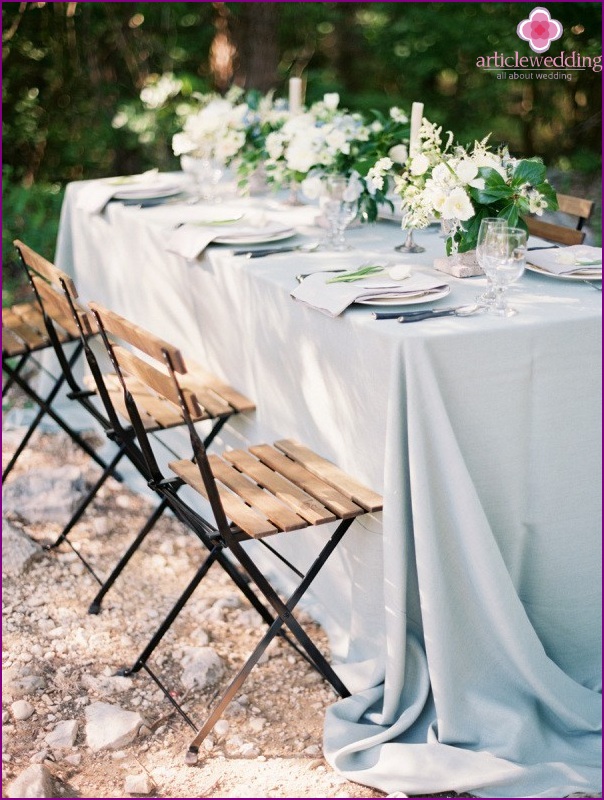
[[397, 314], [457, 311]]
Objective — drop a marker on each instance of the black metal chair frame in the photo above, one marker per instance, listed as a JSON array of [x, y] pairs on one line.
[[122, 436], [217, 538]]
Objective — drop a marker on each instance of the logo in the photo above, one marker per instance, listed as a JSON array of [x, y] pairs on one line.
[[539, 30]]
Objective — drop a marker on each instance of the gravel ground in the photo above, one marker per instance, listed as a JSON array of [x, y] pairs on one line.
[[58, 661], [268, 743]]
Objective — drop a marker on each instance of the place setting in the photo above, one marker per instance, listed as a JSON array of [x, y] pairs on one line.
[[573, 263], [372, 284]]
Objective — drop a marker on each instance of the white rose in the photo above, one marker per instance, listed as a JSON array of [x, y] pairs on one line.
[[441, 174], [312, 187], [466, 170], [419, 164], [331, 100], [300, 157], [458, 206], [181, 144], [398, 153]]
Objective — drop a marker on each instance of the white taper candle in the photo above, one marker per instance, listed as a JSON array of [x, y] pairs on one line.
[[417, 112], [295, 95]]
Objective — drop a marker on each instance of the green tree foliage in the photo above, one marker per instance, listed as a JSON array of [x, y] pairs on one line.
[[73, 73]]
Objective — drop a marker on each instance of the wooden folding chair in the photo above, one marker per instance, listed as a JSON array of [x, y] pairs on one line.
[[59, 309], [254, 494], [28, 332], [576, 207]]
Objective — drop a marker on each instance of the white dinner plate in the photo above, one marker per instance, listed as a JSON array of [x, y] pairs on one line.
[[146, 195], [408, 299], [585, 275], [260, 238]]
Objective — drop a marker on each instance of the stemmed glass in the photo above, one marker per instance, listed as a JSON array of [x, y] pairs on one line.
[[488, 224], [206, 173], [339, 211], [409, 245], [504, 258]]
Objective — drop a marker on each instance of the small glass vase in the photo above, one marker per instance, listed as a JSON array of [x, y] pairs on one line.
[[339, 211], [293, 198], [206, 174]]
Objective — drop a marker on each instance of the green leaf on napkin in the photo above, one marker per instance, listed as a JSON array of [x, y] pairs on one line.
[[212, 222], [356, 275]]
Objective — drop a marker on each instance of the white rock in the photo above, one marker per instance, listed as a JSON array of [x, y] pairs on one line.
[[75, 759], [22, 709], [110, 727], [202, 667], [221, 727], [312, 750], [49, 494], [18, 550], [16, 684], [106, 686], [63, 736], [35, 781], [39, 757], [249, 750], [138, 784]]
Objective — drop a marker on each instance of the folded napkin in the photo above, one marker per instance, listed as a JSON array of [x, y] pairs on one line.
[[566, 260], [334, 298], [94, 196], [191, 239]]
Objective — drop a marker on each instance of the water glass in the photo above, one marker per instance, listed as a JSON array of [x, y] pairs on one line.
[[487, 298], [339, 211], [504, 253]]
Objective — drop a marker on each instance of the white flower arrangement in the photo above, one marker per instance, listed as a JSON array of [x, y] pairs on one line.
[[462, 185], [319, 139], [217, 131]]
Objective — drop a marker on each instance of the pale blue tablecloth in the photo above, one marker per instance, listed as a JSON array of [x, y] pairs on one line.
[[466, 617]]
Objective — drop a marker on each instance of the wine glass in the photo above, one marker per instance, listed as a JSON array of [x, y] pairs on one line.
[[504, 253], [206, 174], [339, 211], [487, 298]]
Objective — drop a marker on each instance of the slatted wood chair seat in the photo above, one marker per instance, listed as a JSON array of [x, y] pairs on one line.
[[268, 490], [157, 413], [24, 331], [577, 207]]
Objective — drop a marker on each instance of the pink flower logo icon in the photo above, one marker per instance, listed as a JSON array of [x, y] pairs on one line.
[[539, 30]]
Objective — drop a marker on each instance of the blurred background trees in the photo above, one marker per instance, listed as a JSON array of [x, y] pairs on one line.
[[73, 74]]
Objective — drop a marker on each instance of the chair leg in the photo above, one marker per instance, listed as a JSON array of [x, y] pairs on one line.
[[11, 372], [174, 612], [95, 606], [46, 409], [285, 618], [107, 472]]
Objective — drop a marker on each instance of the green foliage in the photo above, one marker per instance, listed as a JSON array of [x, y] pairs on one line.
[[32, 215], [73, 74]]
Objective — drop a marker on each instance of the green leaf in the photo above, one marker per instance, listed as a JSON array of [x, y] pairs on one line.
[[356, 275], [510, 214], [529, 170]]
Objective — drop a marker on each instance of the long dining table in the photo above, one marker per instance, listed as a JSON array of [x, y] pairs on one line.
[[466, 617]]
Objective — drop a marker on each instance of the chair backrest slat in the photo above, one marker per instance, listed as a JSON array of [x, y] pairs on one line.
[[576, 206], [148, 374], [554, 233], [56, 305], [34, 261], [138, 337]]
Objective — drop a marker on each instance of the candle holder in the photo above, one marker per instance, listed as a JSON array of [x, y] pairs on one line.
[[409, 245]]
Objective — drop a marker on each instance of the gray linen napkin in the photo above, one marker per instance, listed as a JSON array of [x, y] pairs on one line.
[[566, 260], [191, 239], [334, 298]]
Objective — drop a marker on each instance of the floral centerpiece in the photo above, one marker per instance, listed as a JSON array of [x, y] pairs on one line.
[[461, 186], [326, 140], [216, 132]]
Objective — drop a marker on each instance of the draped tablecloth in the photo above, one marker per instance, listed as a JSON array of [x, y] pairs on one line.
[[466, 617]]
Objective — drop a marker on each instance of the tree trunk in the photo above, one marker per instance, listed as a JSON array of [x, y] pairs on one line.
[[257, 39]]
